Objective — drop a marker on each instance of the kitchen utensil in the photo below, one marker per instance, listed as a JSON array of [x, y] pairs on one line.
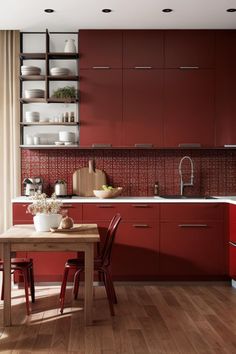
[[60, 188], [115, 192], [87, 179]]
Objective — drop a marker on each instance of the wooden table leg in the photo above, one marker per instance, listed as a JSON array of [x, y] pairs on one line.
[[88, 285], [7, 284]]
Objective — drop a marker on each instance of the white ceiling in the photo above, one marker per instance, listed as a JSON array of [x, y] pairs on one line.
[[71, 15]]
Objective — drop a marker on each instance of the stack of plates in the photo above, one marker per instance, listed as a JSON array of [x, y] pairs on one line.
[[31, 117], [59, 71], [34, 93], [30, 70]]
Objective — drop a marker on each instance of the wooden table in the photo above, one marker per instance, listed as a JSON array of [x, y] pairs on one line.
[[25, 238]]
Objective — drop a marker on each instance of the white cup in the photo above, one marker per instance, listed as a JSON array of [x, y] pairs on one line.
[[29, 140], [36, 140]]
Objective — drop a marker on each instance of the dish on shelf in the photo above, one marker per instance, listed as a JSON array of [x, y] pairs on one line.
[[30, 70], [68, 142], [66, 136], [59, 143], [32, 117], [59, 71], [34, 93], [108, 193]]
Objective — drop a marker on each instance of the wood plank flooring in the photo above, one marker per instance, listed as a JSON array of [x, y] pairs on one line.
[[162, 318]]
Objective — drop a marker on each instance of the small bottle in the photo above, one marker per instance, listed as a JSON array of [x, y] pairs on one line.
[[72, 117], [66, 117], [156, 188]]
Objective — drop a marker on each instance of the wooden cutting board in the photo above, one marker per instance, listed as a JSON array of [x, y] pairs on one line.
[[86, 179]]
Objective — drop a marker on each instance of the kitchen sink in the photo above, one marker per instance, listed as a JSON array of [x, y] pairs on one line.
[[187, 197]]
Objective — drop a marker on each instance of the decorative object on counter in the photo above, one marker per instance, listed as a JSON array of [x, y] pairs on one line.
[[32, 117], [65, 136], [60, 188], [67, 92], [28, 70], [70, 46], [66, 223], [59, 71], [108, 192], [86, 179], [34, 93], [46, 212]]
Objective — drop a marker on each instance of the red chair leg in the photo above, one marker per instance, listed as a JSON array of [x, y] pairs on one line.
[[63, 288], [76, 283], [109, 294], [31, 279], [26, 285], [111, 287]]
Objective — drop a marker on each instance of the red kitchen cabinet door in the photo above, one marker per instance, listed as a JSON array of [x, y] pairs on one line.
[[184, 48], [143, 48], [135, 253], [225, 48], [189, 109], [187, 251], [73, 210], [225, 106], [143, 107], [232, 260], [99, 48], [232, 223], [20, 215], [100, 107]]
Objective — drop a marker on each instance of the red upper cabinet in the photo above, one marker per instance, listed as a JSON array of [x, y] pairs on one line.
[[225, 48], [99, 48], [143, 48], [225, 106], [189, 109], [100, 107], [143, 107], [189, 48]]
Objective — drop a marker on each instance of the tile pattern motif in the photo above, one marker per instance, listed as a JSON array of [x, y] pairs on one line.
[[137, 170]]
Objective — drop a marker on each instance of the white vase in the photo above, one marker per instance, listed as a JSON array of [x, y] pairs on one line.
[[70, 46], [43, 222]]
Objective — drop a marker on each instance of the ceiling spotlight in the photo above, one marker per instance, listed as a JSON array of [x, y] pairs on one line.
[[48, 11], [231, 10], [167, 10], [106, 10]]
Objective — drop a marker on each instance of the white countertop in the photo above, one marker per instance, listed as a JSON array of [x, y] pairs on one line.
[[220, 199]]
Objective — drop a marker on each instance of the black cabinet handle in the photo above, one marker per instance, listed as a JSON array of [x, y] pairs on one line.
[[189, 67], [101, 67], [101, 145], [143, 67], [105, 206], [140, 205], [143, 145], [141, 225]]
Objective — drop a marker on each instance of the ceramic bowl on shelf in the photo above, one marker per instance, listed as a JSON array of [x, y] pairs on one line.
[[59, 143], [108, 193], [66, 136], [34, 93], [31, 117], [59, 71], [30, 70]]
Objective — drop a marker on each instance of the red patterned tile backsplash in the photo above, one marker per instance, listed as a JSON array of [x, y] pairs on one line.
[[137, 170]]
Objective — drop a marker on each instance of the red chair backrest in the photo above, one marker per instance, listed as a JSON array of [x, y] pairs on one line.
[[110, 236]]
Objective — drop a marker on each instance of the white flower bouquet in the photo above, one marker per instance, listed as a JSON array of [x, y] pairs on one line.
[[43, 205]]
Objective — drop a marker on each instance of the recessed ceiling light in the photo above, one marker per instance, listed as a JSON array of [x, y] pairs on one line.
[[48, 11], [231, 10], [167, 10], [106, 10]]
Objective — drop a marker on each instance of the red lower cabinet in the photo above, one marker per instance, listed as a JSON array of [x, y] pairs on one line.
[[232, 260], [135, 253]]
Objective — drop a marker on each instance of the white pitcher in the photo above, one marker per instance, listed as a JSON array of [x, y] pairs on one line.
[[70, 46]]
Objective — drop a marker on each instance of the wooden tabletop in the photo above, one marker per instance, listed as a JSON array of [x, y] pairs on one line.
[[27, 233]]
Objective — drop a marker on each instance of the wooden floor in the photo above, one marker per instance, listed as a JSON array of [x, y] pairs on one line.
[[161, 318]]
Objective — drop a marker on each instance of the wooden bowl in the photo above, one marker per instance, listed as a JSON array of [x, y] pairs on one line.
[[115, 192]]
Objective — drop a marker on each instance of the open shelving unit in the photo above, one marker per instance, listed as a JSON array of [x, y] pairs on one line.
[[46, 56]]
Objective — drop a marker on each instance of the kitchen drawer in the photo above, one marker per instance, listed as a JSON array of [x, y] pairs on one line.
[[100, 211], [232, 260], [74, 210], [20, 216], [191, 211], [140, 211]]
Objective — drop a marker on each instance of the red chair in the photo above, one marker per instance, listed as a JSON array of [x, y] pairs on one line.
[[25, 267], [101, 265]]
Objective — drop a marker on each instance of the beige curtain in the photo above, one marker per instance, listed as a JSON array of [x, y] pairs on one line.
[[9, 124]]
